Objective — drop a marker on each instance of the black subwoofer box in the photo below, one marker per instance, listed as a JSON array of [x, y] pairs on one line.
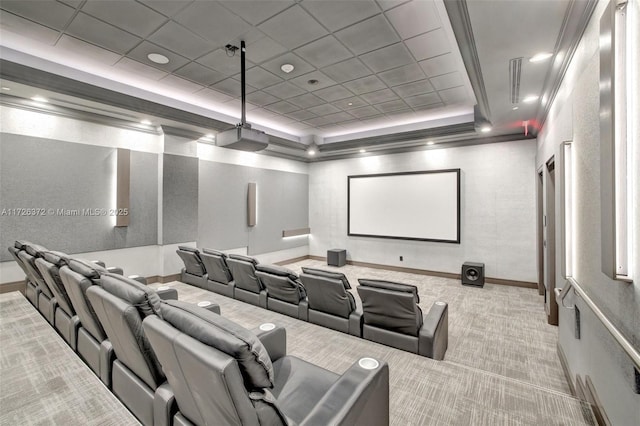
[[473, 274]]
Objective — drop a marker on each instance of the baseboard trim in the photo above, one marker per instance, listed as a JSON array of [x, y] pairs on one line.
[[20, 286], [499, 281], [295, 259], [163, 279], [596, 405], [565, 368]]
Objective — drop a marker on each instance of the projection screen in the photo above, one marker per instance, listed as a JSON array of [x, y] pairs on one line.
[[422, 206]]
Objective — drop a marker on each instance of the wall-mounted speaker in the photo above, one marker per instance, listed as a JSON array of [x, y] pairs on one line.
[[473, 274]]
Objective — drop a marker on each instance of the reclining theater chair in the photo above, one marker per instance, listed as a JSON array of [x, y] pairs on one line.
[[285, 293], [330, 304], [392, 317], [65, 319], [31, 288], [137, 378], [92, 344], [248, 287], [219, 278], [194, 271], [222, 374], [47, 303]]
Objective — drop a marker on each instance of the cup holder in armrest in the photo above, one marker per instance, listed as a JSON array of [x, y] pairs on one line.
[[368, 363], [267, 326]]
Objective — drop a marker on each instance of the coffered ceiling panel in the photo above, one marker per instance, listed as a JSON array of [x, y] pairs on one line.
[[439, 65], [135, 67], [260, 78], [263, 49], [133, 17], [365, 85], [335, 14], [261, 98], [369, 35], [293, 27], [323, 52], [414, 18], [323, 109], [413, 89], [333, 93], [177, 38], [428, 45], [141, 52], [87, 51], [285, 90], [447, 81], [256, 12], [306, 101], [379, 96], [300, 66], [51, 14], [97, 32], [282, 107], [307, 81], [349, 103], [200, 74], [388, 57], [212, 21], [392, 106], [402, 75], [350, 69], [363, 112]]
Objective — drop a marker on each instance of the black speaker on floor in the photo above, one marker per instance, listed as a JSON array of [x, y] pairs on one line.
[[473, 274]]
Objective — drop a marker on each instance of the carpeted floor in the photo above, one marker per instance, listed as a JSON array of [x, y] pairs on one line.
[[501, 366]]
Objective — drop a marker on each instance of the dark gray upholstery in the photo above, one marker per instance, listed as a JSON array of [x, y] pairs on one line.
[[219, 278], [47, 303], [121, 304], [330, 304], [92, 343], [194, 271], [31, 289], [65, 319], [248, 287], [203, 365], [391, 316], [285, 292]]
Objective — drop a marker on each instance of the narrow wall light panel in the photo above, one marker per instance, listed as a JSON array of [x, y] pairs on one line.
[[123, 173], [295, 232], [252, 207], [568, 210]]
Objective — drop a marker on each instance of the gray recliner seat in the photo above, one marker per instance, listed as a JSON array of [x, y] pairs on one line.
[[194, 271], [92, 343], [248, 287], [219, 278], [222, 374], [330, 304], [30, 289], [137, 377], [47, 303], [392, 317], [285, 292], [65, 319]]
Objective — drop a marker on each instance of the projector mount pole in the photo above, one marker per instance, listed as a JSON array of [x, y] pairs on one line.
[[243, 123]]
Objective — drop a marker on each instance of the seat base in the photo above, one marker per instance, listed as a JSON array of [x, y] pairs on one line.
[[390, 338], [133, 393]]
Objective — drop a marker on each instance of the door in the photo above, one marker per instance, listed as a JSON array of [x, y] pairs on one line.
[[540, 229], [549, 241]]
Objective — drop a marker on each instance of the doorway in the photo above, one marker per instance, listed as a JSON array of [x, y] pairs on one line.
[[546, 188]]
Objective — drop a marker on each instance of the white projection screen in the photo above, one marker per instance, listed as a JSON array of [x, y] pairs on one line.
[[422, 206]]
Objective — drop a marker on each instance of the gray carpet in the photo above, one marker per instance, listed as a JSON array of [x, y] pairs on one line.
[[501, 366]]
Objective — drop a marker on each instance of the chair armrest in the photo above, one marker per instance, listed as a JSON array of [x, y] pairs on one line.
[[139, 278], [167, 293], [115, 270], [359, 397], [262, 299], [164, 405], [303, 310], [355, 323], [107, 356], [274, 341], [433, 337], [99, 263]]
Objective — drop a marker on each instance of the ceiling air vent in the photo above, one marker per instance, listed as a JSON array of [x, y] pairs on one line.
[[515, 69]]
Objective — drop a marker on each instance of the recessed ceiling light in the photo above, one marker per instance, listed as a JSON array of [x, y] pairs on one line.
[[514, 108], [311, 152], [530, 98], [485, 129], [6, 88], [540, 57], [312, 82], [145, 122], [39, 99], [430, 143], [362, 151], [287, 68], [350, 103], [158, 58]]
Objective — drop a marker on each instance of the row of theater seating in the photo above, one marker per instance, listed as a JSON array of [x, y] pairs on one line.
[[175, 363], [390, 313]]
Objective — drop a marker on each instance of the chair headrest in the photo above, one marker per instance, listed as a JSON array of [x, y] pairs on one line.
[[56, 257], [328, 274], [226, 336], [278, 270], [21, 244], [389, 285], [86, 268], [215, 253], [191, 249], [144, 298], [35, 250], [244, 258]]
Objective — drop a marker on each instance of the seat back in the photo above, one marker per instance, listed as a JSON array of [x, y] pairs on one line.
[[281, 283], [192, 261], [14, 253], [392, 306], [77, 276], [243, 269], [29, 261], [327, 292], [49, 266], [121, 304], [215, 263], [217, 369]]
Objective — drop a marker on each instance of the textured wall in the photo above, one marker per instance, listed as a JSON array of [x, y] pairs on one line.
[[283, 203], [179, 199], [575, 116], [497, 210], [54, 175]]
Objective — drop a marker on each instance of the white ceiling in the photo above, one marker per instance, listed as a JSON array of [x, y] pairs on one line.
[[381, 66]]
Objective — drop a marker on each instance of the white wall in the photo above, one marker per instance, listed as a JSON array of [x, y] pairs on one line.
[[497, 210], [574, 116]]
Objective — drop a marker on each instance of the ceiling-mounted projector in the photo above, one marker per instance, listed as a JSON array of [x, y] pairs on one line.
[[243, 137]]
